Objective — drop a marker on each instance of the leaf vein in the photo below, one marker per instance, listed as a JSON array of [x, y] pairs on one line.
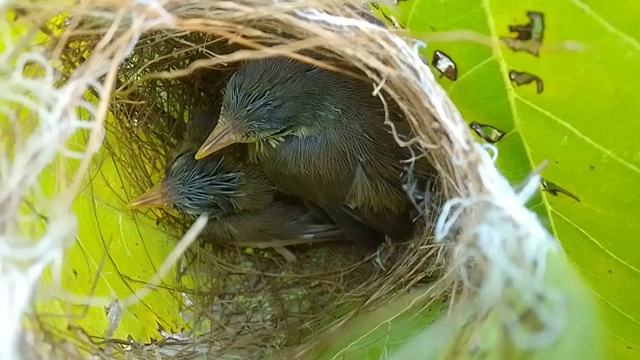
[[623, 340], [581, 135], [633, 42], [616, 309], [497, 54], [614, 256], [412, 11], [454, 20], [469, 72]]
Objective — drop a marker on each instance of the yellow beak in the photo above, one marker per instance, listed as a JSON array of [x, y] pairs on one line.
[[154, 198], [221, 137]]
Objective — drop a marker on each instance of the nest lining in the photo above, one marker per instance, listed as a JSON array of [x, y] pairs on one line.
[[155, 47], [341, 280]]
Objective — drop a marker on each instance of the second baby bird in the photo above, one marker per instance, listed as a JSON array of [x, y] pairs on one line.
[[243, 205]]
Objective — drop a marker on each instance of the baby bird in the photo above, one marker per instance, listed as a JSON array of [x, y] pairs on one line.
[[243, 205], [320, 135]]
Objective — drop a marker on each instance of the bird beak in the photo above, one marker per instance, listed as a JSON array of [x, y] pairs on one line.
[[222, 136], [154, 198]]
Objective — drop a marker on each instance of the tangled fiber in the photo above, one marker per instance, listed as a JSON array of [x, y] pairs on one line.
[[127, 74]]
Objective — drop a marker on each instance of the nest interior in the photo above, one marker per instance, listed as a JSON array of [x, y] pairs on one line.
[[243, 302]]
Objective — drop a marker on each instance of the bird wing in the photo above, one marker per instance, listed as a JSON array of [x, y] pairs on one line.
[[354, 225], [279, 221]]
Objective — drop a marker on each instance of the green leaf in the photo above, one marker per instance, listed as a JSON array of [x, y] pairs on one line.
[[406, 327], [485, 337], [377, 334], [115, 255], [583, 120]]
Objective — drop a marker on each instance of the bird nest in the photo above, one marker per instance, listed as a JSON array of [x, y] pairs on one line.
[[138, 70]]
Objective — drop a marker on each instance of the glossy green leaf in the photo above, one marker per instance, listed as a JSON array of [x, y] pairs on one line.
[[571, 99]]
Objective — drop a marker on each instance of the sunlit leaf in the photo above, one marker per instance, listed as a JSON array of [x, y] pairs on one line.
[[114, 255], [558, 78]]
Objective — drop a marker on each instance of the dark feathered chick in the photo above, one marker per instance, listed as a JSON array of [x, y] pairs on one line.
[[243, 205], [320, 135]]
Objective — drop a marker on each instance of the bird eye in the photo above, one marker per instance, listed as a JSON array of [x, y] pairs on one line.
[[282, 132]]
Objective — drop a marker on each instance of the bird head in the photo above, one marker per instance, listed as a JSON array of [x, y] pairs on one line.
[[194, 187], [263, 102]]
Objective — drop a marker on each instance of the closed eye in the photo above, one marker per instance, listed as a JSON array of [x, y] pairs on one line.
[[282, 132]]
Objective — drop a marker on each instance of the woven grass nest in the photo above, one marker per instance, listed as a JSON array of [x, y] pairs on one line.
[[137, 70]]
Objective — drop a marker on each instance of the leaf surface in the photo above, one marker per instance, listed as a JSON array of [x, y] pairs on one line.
[[116, 253], [573, 104]]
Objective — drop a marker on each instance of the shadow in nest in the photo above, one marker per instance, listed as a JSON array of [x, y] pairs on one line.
[[241, 301]]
